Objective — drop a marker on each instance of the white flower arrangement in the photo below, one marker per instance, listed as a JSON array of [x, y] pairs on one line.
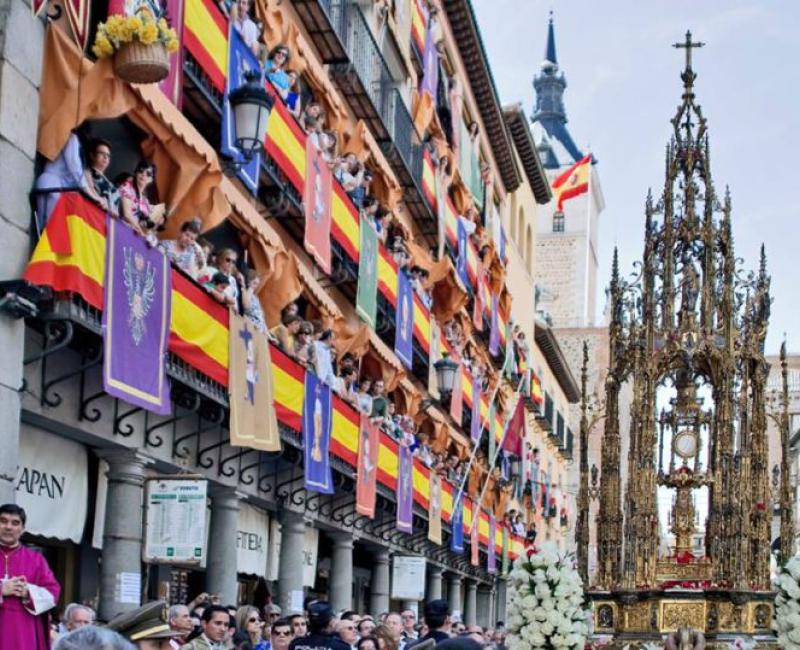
[[546, 606], [787, 605]]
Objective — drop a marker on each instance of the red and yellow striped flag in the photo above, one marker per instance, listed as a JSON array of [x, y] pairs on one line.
[[573, 182]]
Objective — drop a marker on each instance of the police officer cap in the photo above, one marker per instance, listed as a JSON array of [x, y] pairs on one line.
[[320, 612], [146, 622]]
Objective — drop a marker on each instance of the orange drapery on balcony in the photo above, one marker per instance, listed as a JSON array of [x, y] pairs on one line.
[[74, 90]]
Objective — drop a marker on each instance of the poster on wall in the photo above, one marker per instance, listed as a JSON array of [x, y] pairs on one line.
[[52, 484], [408, 577], [175, 521], [252, 540]]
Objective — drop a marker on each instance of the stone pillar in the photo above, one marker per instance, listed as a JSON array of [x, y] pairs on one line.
[[221, 556], [290, 576], [471, 603], [379, 592], [434, 588], [341, 583], [122, 530], [483, 616], [21, 48], [454, 593], [500, 601], [410, 604]]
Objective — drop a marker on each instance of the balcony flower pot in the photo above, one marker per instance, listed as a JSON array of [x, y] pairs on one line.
[[138, 63], [140, 45]]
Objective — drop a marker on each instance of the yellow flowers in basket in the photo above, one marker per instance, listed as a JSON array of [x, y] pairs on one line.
[[142, 27]]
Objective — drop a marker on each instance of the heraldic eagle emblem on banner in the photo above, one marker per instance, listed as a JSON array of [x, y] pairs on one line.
[[139, 279]]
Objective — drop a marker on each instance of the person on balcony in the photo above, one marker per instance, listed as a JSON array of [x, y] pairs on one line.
[[184, 252], [285, 332], [323, 357], [275, 69], [218, 288], [247, 28], [364, 396], [304, 345], [63, 174], [380, 403], [361, 190], [135, 206], [251, 305], [328, 141], [293, 102], [98, 186], [226, 264], [313, 111]]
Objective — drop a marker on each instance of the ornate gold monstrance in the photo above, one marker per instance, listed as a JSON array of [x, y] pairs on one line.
[[687, 333]]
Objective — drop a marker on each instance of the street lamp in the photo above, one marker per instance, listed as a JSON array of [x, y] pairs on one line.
[[445, 375], [250, 105]]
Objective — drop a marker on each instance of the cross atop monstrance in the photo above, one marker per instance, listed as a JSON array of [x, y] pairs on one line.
[[688, 45]]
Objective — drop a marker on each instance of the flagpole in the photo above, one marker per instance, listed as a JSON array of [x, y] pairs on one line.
[[475, 447]]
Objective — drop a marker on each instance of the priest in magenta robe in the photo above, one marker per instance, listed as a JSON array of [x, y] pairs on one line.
[[29, 588]]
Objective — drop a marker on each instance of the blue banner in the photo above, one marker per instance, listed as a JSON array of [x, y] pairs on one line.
[[404, 320], [457, 524], [405, 490], [240, 60], [317, 435], [461, 257], [494, 331]]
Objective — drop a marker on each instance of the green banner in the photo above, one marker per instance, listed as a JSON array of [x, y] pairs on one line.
[[367, 293]]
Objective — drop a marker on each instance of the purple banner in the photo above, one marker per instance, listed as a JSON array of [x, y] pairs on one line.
[[317, 435], [405, 495], [475, 425], [491, 562], [136, 317], [494, 331], [404, 320]]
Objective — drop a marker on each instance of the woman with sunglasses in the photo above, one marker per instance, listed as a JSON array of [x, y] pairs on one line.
[[135, 207], [249, 620], [275, 69]]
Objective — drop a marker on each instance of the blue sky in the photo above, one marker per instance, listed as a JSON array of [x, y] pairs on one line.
[[623, 87]]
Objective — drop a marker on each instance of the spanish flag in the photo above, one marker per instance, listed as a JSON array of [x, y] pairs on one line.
[[573, 182]]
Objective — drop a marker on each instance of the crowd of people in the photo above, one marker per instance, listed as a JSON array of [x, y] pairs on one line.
[[204, 624]]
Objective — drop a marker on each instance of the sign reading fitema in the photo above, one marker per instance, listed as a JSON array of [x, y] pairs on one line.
[[175, 521]]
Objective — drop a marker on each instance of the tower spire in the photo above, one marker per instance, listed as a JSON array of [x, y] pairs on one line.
[[550, 48]]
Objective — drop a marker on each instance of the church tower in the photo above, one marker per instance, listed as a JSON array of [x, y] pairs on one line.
[[566, 243]]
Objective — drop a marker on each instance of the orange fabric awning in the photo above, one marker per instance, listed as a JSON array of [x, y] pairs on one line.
[[74, 90]]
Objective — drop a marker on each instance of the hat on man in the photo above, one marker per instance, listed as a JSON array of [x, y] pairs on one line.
[[320, 613], [146, 622], [272, 609]]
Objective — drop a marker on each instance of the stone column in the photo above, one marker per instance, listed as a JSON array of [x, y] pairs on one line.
[[454, 593], [341, 583], [122, 531], [471, 603], [434, 588], [21, 49], [221, 556], [500, 601], [290, 576], [483, 616], [413, 605], [379, 592]]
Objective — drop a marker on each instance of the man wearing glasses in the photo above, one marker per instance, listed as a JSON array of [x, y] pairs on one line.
[[409, 625]]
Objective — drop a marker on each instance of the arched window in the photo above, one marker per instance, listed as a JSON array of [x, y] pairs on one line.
[[529, 249], [520, 226]]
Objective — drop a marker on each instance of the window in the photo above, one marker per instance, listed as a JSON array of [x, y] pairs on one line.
[[558, 222], [529, 249]]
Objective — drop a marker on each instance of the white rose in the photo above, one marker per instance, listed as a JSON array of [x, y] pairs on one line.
[[539, 576], [548, 604], [547, 628], [553, 573], [528, 602], [537, 639], [794, 636], [793, 619], [559, 641], [574, 640], [542, 590], [793, 567], [538, 614]]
